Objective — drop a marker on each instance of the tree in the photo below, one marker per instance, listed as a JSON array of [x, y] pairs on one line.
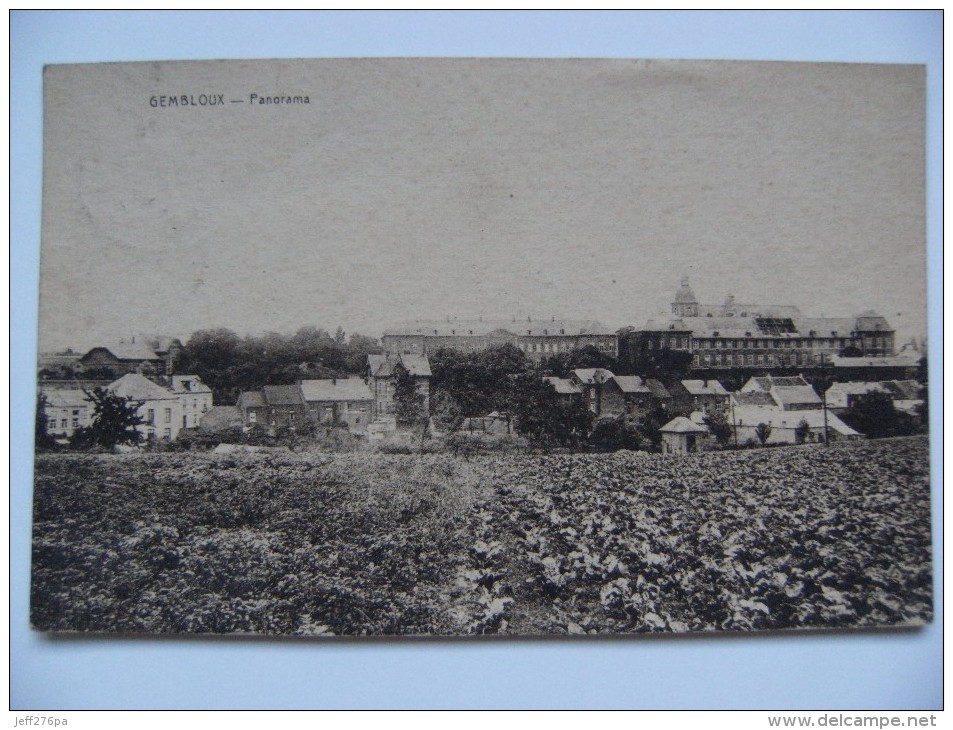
[[874, 416], [650, 426], [763, 432], [408, 402], [540, 415], [614, 434], [42, 437], [114, 422], [719, 427], [801, 431]]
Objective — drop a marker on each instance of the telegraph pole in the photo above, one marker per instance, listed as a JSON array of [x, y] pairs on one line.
[[824, 386]]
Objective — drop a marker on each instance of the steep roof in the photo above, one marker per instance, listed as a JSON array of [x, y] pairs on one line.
[[563, 386], [631, 384], [282, 395], [382, 366], [127, 351], [220, 417], [702, 387], [682, 425], [870, 321], [588, 376], [755, 398], [826, 326], [776, 418], [666, 324], [340, 389], [790, 394], [855, 388], [787, 380], [252, 399], [139, 387], [67, 399], [417, 365], [657, 389]]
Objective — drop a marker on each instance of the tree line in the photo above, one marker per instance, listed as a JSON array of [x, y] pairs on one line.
[[229, 364]]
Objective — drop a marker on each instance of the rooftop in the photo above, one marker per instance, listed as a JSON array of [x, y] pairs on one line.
[[335, 389], [500, 327]]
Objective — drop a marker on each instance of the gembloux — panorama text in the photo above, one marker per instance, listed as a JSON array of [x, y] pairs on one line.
[[187, 100]]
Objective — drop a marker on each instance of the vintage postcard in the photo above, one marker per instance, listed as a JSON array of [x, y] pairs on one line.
[[455, 347]]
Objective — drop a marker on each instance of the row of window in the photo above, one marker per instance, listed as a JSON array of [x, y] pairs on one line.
[[817, 344], [751, 359]]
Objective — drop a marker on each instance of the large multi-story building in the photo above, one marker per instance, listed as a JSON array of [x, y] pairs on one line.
[[738, 335], [536, 338]]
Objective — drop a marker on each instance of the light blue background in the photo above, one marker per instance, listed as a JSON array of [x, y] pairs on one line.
[[887, 670]]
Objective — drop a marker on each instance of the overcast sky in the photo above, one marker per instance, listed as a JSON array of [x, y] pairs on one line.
[[415, 189]]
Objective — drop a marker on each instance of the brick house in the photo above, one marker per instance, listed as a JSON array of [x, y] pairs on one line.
[[705, 396], [286, 407], [254, 408], [339, 400], [381, 377]]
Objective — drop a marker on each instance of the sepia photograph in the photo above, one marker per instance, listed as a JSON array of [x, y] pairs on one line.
[[431, 347]]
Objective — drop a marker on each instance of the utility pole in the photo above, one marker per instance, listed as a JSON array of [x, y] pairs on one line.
[[824, 387]]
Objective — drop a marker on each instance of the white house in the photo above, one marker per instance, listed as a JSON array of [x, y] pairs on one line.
[[195, 398], [161, 409]]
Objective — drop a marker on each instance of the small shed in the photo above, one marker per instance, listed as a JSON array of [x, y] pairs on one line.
[[682, 436]]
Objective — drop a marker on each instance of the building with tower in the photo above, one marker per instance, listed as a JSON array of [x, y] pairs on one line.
[[734, 334]]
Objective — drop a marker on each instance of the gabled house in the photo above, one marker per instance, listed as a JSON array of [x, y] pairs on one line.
[[66, 411], [790, 393], [660, 394], [161, 409], [254, 408], [381, 375], [707, 396], [124, 357], [286, 407], [195, 397], [338, 400], [601, 394], [784, 425], [221, 418], [566, 390]]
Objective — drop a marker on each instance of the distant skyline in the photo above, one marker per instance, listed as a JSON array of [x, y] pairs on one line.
[[412, 189]]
